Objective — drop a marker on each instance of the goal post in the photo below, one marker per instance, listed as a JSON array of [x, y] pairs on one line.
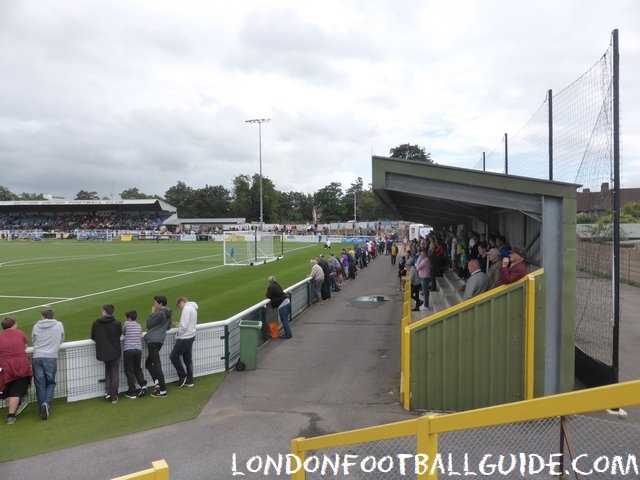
[[252, 247], [94, 234]]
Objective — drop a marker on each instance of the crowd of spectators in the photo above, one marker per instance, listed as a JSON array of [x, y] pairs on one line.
[[481, 261], [84, 221]]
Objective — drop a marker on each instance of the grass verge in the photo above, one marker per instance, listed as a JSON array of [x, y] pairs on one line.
[[92, 420]]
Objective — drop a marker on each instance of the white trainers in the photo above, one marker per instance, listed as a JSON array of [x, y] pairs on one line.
[[422, 307]]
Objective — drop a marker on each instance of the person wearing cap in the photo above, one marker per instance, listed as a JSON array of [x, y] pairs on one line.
[[493, 268], [513, 268]]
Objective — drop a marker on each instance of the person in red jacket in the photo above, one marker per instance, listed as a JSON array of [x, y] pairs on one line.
[[15, 368], [513, 268]]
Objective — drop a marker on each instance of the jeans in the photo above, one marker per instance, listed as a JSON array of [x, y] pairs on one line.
[[317, 288], [154, 365], [131, 363], [415, 294], [183, 348], [284, 313], [112, 377], [44, 378], [424, 282]]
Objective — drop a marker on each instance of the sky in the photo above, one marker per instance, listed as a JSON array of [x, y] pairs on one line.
[[109, 95]]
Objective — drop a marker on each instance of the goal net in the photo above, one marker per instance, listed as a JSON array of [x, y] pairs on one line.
[[252, 248], [104, 235]]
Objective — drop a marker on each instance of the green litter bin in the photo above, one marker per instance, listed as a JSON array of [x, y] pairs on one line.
[[249, 332]]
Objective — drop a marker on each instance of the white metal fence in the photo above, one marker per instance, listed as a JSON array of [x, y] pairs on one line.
[[216, 349]]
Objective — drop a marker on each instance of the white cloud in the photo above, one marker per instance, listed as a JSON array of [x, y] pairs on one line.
[[107, 96]]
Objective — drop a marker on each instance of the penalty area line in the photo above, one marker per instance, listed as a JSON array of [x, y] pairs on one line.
[[34, 298], [124, 287]]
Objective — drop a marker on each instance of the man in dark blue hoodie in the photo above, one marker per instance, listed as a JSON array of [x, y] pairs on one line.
[[106, 332], [157, 325]]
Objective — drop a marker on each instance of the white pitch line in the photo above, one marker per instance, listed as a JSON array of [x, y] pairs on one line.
[[34, 298], [151, 271], [94, 294], [70, 299], [135, 269]]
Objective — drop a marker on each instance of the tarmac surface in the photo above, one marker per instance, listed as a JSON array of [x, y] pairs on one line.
[[340, 371]]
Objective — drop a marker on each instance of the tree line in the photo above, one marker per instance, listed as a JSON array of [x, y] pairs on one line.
[[329, 204]]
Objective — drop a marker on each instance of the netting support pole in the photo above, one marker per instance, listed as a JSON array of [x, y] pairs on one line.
[[550, 103], [616, 202], [506, 155], [255, 245]]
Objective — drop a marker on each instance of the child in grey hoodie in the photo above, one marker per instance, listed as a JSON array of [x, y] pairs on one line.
[[47, 336]]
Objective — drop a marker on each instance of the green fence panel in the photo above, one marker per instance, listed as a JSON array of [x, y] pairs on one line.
[[473, 357]]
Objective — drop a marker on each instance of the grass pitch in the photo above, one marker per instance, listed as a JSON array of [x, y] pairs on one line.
[[76, 278]]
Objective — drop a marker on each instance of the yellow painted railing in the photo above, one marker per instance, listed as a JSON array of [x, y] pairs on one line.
[[427, 428], [159, 471]]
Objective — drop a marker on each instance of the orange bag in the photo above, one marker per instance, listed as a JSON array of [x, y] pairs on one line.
[[274, 329]]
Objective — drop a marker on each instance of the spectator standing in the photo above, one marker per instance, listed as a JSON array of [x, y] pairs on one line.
[[344, 257], [493, 270], [280, 301], [477, 281], [16, 368], [482, 256], [394, 253], [157, 325], [513, 268], [424, 272], [335, 269], [325, 290], [132, 355], [402, 273], [415, 287], [503, 246], [106, 332], [317, 279], [185, 336], [46, 336]]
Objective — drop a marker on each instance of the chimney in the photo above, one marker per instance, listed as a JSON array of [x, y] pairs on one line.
[[604, 187]]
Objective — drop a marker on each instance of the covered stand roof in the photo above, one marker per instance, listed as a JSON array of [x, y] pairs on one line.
[[439, 195], [443, 196], [51, 206]]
